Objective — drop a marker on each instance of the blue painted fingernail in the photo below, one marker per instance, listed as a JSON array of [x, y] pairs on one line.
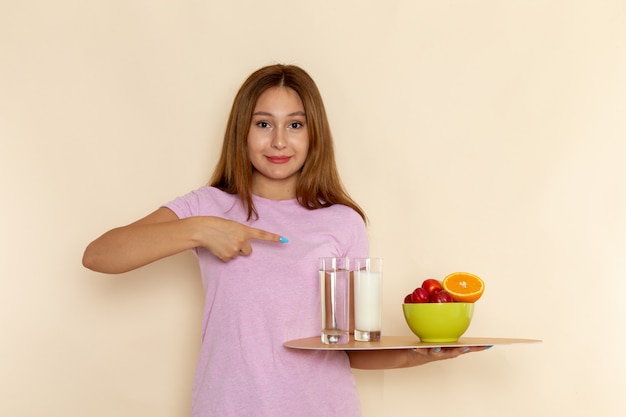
[[283, 240], [437, 349], [466, 350]]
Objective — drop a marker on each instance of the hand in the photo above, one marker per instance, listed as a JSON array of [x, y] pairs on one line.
[[228, 239]]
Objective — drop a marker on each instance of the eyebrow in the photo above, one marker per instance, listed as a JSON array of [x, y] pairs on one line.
[[265, 113]]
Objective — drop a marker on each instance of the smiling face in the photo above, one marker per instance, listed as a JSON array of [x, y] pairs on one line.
[[278, 143]]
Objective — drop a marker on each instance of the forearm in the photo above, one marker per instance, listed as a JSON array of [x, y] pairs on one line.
[[404, 358], [383, 359], [126, 248]]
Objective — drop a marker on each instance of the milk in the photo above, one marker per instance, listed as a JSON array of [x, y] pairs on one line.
[[367, 304]]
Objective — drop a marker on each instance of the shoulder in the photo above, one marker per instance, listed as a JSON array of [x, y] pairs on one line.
[[209, 193], [195, 196], [202, 201], [342, 212]]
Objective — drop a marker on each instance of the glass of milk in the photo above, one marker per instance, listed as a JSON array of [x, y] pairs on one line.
[[368, 298]]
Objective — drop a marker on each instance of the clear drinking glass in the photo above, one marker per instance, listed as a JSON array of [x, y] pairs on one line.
[[335, 300], [368, 298]]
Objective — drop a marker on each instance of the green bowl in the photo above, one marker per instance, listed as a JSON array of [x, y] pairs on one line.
[[438, 322]]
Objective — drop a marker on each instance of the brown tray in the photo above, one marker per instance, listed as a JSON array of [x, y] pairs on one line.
[[400, 342]]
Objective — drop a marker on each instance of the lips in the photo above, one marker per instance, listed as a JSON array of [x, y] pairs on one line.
[[278, 159]]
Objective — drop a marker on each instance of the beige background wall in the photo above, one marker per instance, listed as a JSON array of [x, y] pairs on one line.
[[486, 136]]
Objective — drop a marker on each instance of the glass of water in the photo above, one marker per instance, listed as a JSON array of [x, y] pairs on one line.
[[335, 300]]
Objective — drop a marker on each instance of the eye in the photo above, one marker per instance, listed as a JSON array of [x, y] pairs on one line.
[[295, 125], [263, 124]]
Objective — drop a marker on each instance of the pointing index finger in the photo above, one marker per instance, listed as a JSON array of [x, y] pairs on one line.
[[265, 235]]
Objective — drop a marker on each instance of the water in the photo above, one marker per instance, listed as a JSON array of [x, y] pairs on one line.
[[335, 306], [332, 336]]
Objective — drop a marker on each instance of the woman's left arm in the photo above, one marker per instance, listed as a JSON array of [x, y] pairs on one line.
[[405, 358]]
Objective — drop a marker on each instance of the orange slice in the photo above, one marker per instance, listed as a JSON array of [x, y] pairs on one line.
[[463, 286]]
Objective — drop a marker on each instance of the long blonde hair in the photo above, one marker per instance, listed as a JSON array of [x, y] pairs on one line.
[[319, 184]]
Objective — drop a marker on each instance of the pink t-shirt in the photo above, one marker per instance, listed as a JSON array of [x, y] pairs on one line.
[[255, 303]]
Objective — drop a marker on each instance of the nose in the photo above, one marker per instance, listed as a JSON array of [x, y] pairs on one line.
[[279, 140]]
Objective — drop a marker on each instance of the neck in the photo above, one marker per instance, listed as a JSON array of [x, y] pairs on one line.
[[274, 189]]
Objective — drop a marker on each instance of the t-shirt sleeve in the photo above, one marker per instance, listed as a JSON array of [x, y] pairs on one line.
[[187, 205]]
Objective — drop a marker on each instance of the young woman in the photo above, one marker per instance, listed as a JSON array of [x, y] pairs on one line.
[[274, 206]]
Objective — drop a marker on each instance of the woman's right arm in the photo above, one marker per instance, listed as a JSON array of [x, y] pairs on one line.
[[162, 234], [158, 235]]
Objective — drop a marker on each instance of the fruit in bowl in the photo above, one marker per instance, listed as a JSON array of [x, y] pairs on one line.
[[438, 322], [441, 311], [463, 286]]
